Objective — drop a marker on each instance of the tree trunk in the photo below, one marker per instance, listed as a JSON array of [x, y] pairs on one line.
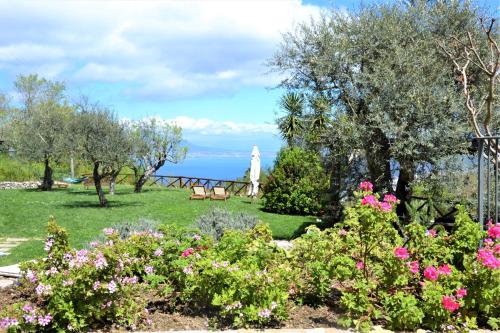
[[47, 177], [140, 183], [97, 181], [403, 192], [112, 182], [379, 162]]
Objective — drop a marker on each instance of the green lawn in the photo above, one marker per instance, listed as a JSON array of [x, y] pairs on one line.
[[24, 213]]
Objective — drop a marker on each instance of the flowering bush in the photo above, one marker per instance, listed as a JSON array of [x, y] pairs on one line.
[[432, 280], [244, 276]]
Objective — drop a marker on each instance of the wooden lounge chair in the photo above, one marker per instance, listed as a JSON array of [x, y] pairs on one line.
[[219, 193], [199, 193]]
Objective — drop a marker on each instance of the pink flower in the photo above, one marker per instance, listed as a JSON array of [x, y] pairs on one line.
[[390, 198], [197, 237], [187, 252], [444, 269], [449, 303], [188, 270], [494, 231], [48, 244], [414, 266], [108, 231], [31, 276], [496, 248], [431, 273], [370, 200], [100, 261], [158, 252], [366, 186], [487, 258], [96, 285], [431, 233], [360, 265], [461, 292], [44, 320], [149, 270], [112, 287], [266, 313], [401, 253], [385, 207], [342, 232]]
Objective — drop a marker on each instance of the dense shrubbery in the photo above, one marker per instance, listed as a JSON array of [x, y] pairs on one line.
[[434, 280], [296, 183]]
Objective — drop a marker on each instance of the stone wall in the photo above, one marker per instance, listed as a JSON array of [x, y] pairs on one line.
[[18, 185]]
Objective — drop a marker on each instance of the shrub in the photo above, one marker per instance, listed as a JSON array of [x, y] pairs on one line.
[[296, 184], [218, 220], [127, 229]]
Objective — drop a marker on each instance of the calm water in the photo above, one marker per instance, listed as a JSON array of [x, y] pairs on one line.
[[226, 168]]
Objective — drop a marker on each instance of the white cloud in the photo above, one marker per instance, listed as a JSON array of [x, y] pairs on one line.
[[204, 126], [163, 49]]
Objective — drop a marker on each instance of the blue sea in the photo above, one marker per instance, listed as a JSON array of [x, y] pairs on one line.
[[215, 167]]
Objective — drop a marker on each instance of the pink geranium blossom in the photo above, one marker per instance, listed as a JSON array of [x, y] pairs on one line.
[[401, 253], [187, 252], [366, 186], [385, 207], [431, 273], [390, 198], [449, 303], [487, 258], [360, 265], [431, 233], [444, 269], [158, 252], [414, 266], [370, 200], [461, 293], [494, 231]]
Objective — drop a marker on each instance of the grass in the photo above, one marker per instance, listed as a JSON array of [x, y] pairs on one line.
[[24, 213]]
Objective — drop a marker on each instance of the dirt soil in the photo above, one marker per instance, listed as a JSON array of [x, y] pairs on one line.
[[159, 319]]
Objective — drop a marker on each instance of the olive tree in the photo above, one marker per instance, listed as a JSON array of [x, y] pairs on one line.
[[389, 85], [100, 139], [154, 144], [38, 129]]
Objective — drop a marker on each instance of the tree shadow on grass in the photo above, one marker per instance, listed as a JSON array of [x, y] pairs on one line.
[[302, 228], [95, 204]]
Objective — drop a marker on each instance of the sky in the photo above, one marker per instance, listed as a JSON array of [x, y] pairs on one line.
[[198, 63]]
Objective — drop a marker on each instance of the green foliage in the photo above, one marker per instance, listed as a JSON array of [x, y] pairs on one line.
[[290, 125], [390, 87], [296, 183], [218, 220], [154, 144]]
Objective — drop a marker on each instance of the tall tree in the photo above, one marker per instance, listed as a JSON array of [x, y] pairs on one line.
[[389, 84], [38, 129], [99, 138], [290, 125], [155, 143]]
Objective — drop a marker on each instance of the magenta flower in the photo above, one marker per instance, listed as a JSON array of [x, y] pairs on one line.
[[414, 266], [449, 303], [461, 293], [370, 200], [30, 318], [390, 198], [366, 186], [158, 252], [187, 252], [431, 273], [444, 269], [431, 233], [401, 253], [496, 248], [494, 231], [360, 265], [385, 207], [487, 258]]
